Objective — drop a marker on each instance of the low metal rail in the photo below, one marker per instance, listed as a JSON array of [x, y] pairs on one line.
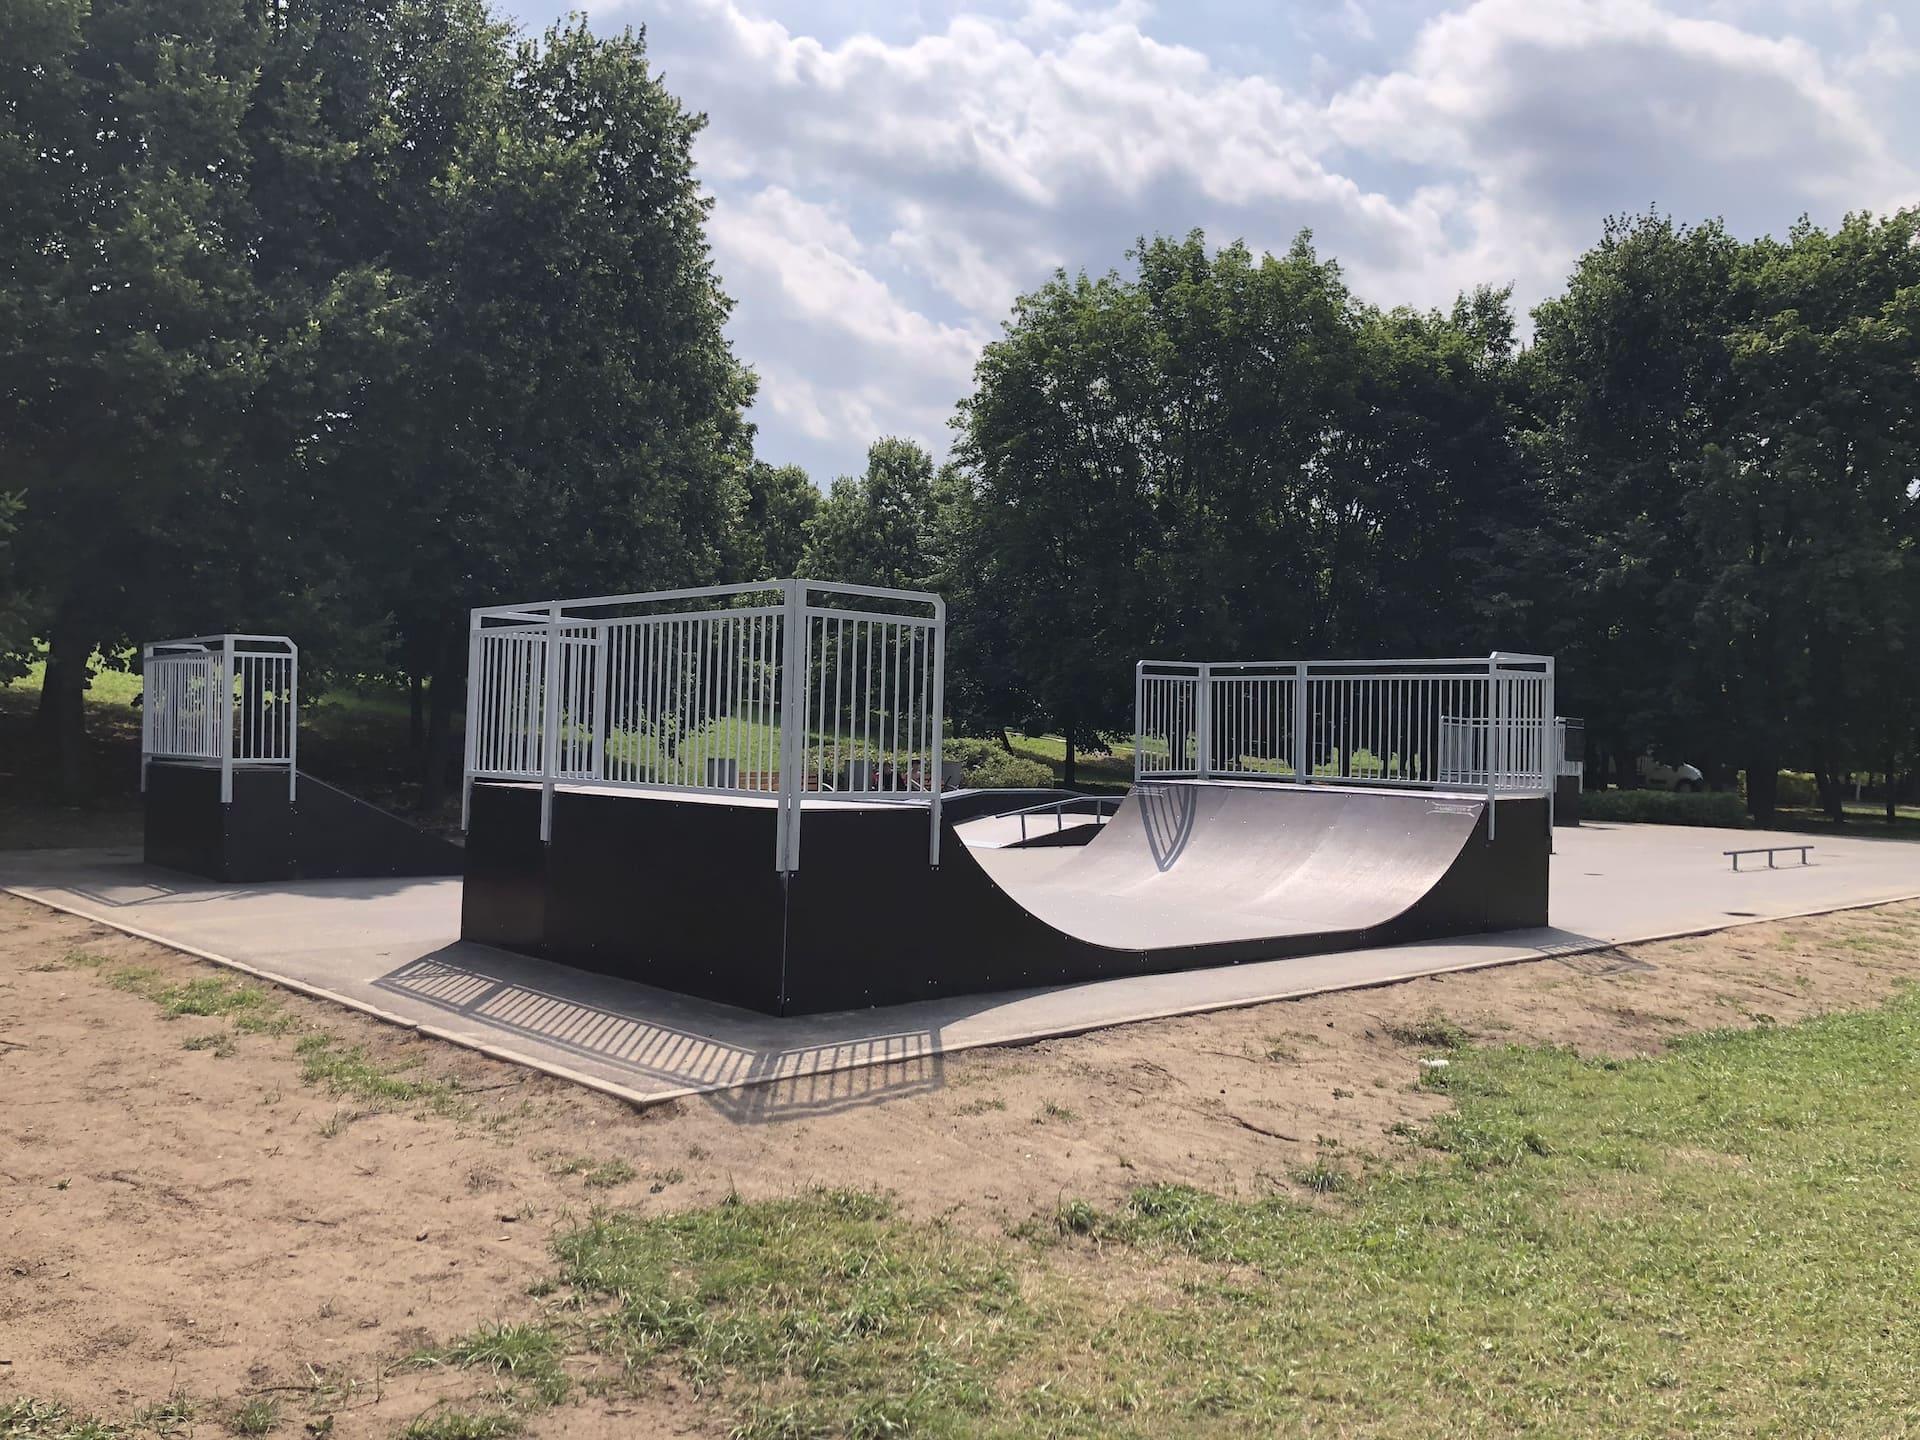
[[1770, 851], [1058, 809]]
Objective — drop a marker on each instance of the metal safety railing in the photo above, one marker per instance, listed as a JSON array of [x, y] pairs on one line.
[[1479, 724], [782, 689], [221, 699]]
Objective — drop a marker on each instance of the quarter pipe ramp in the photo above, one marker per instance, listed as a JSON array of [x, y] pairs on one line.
[[674, 889]]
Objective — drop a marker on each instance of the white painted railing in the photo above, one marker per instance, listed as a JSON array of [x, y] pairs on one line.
[[787, 688], [222, 699], [1476, 724]]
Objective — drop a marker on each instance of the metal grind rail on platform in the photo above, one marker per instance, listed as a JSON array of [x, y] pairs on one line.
[[1482, 724], [221, 699], [778, 690]]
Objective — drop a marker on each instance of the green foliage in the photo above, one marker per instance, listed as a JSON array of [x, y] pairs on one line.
[[1665, 807], [770, 537], [348, 319], [873, 529], [1716, 1241], [1215, 455], [824, 1313], [991, 766], [348, 1071]]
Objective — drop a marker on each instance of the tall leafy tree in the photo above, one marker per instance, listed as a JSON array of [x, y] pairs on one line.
[[134, 338], [873, 528], [770, 536]]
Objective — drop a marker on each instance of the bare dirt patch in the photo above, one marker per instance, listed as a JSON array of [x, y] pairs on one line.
[[187, 1208]]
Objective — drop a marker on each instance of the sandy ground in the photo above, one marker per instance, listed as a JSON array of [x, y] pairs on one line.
[[186, 1220]]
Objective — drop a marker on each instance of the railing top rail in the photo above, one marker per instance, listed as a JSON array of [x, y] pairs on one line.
[[1476, 663], [544, 611], [205, 642]]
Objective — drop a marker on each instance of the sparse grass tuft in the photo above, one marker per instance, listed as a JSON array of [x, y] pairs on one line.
[[218, 1041], [25, 1419], [257, 1417], [600, 1175], [1050, 1110], [345, 1070], [1432, 1032], [452, 1424], [527, 1355]]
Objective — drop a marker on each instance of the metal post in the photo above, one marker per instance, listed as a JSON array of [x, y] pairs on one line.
[[940, 722], [550, 722], [472, 724], [147, 712], [1203, 723], [1139, 696], [293, 718], [598, 741], [1553, 747], [1493, 743], [793, 719], [1300, 776], [226, 720]]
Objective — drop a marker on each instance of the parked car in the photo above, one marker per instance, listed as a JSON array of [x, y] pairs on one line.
[[1659, 775]]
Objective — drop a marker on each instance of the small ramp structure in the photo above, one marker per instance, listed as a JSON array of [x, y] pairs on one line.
[[635, 762], [223, 793]]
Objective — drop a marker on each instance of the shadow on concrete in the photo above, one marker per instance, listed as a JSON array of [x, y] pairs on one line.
[[568, 1010], [115, 880]]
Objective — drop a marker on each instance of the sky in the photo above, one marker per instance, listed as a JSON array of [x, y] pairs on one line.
[[888, 178]]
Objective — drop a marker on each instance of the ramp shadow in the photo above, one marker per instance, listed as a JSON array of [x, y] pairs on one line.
[[658, 1039], [1167, 815]]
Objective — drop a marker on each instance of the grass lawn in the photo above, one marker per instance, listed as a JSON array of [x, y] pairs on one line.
[[1723, 1240]]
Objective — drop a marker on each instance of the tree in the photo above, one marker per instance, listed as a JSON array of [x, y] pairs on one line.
[[873, 529], [15, 627], [770, 537], [1220, 456], [134, 335]]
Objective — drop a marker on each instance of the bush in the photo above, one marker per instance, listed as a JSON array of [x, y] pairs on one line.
[[991, 767], [1664, 807]]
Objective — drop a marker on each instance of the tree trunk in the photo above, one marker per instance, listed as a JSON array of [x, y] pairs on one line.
[[60, 723], [1831, 785], [1006, 740], [1067, 774], [440, 702], [1893, 805], [1763, 788], [416, 714]]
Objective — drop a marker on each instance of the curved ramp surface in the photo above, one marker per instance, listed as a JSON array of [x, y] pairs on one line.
[[1184, 864], [676, 891]]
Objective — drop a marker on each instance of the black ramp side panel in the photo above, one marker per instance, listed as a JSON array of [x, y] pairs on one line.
[[681, 892], [504, 899], [323, 834]]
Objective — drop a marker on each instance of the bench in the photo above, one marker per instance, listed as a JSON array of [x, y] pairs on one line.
[[1770, 851]]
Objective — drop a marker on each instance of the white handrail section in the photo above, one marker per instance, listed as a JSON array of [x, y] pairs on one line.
[[1480, 724], [221, 699], [781, 689]]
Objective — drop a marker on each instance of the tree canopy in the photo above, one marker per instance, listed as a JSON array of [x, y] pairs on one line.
[[342, 319]]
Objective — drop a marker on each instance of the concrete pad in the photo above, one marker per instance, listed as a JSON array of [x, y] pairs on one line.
[[391, 948]]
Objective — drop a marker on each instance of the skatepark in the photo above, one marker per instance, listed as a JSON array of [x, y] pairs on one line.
[[646, 773]]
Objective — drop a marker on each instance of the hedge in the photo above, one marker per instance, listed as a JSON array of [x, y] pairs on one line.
[[1665, 807], [990, 766]]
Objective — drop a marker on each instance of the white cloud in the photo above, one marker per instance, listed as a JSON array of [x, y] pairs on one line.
[[882, 202]]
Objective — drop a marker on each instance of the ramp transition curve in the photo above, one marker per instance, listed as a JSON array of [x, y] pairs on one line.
[[678, 891]]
